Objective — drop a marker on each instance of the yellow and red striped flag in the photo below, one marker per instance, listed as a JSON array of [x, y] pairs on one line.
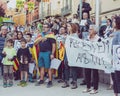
[[45, 0], [16, 64]]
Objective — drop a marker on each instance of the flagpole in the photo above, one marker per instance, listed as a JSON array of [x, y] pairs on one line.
[[41, 9], [97, 13], [80, 11]]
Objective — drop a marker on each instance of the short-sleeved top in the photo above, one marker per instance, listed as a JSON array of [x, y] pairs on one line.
[[46, 45], [10, 53], [116, 38]]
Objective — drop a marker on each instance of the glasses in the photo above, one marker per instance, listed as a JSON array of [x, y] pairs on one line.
[[19, 34], [45, 27]]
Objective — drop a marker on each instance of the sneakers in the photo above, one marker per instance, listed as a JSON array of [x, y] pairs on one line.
[[110, 87], [86, 90], [65, 85], [10, 85], [49, 84], [74, 85], [94, 91], [5, 85], [39, 83], [22, 83]]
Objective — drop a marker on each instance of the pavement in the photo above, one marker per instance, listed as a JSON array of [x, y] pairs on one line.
[[56, 90]]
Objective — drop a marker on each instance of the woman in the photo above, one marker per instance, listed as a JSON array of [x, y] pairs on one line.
[[75, 19], [88, 71], [17, 45], [72, 31], [109, 28], [116, 41], [17, 41]]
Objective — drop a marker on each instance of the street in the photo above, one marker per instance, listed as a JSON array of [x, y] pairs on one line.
[[56, 90]]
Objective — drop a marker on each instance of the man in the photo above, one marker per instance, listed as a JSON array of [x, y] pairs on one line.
[[84, 25], [3, 37], [47, 45], [85, 8]]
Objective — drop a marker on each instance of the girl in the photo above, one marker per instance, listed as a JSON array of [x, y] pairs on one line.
[[9, 54]]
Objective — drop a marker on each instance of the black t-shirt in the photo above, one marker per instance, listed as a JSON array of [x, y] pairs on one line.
[[24, 54], [46, 45]]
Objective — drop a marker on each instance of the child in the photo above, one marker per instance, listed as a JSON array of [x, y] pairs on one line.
[[32, 63], [24, 58], [9, 54]]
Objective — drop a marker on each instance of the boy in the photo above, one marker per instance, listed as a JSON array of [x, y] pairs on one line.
[[24, 58], [32, 63]]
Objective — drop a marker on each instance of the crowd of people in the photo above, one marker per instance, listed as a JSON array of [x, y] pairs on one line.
[[47, 35]]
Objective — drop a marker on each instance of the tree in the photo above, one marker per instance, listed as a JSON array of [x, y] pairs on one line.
[[2, 11]]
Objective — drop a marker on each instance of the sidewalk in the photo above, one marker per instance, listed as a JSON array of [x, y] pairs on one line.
[[56, 90]]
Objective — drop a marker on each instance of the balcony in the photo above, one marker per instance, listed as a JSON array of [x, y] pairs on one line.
[[66, 10]]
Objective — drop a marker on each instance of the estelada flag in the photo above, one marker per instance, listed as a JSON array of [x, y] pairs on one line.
[[16, 64]]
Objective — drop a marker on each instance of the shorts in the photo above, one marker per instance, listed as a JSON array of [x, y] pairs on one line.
[[44, 59], [24, 67]]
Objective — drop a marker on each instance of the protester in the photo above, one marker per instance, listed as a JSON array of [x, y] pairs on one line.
[[109, 28], [72, 30], [60, 39], [84, 25], [47, 49], [32, 62], [116, 41], [24, 57], [3, 38], [17, 45], [75, 19], [88, 71], [8, 54]]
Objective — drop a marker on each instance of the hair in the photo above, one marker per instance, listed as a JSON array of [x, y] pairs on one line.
[[74, 27], [20, 33], [110, 21], [23, 40], [94, 27], [75, 16], [10, 41], [117, 22], [79, 31], [4, 27], [55, 31], [29, 35]]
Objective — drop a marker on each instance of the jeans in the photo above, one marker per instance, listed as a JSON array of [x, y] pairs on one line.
[[116, 81]]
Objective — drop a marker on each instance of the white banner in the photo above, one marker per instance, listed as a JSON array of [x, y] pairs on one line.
[[81, 53]]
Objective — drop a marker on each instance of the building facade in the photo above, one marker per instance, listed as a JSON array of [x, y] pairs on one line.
[[69, 7], [107, 7]]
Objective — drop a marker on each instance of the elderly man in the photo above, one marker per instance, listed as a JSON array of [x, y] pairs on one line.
[[3, 37], [47, 45]]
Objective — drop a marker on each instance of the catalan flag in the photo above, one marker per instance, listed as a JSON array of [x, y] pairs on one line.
[[16, 64], [61, 51], [45, 0]]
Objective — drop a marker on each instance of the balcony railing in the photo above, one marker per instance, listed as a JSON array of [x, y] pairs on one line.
[[66, 10]]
